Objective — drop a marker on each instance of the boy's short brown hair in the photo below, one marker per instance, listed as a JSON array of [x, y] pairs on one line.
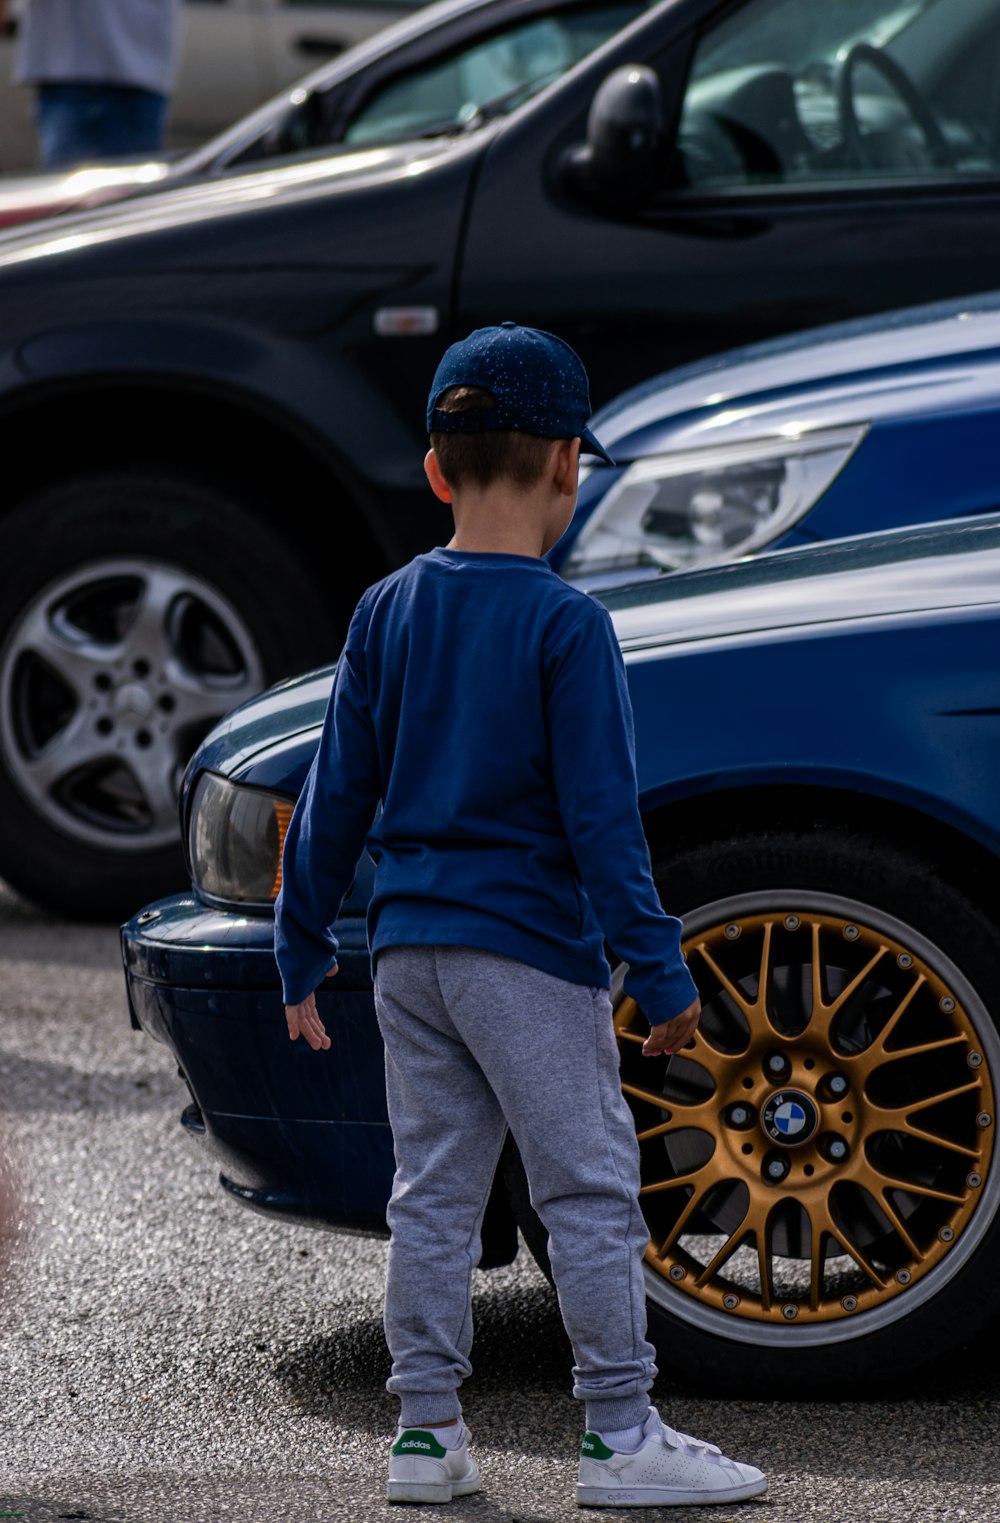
[[490, 456]]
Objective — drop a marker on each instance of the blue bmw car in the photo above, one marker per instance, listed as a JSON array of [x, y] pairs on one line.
[[838, 430], [818, 1170]]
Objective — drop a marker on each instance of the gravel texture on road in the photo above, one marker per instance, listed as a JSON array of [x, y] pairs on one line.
[[173, 1358]]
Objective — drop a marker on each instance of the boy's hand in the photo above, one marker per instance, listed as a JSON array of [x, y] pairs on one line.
[[303, 1020], [670, 1036]]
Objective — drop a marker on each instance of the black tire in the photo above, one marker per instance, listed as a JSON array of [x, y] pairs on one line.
[[857, 891], [91, 565]]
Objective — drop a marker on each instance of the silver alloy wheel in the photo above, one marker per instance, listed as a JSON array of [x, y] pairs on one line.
[[690, 1280], [109, 679]]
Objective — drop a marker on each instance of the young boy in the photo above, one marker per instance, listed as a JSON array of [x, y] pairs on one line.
[[481, 701]]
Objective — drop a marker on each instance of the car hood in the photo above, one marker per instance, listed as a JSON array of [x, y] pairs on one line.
[[945, 356], [894, 574], [163, 209], [270, 740], [281, 714]]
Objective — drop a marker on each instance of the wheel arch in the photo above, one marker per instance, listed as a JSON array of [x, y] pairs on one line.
[[675, 827], [227, 436]]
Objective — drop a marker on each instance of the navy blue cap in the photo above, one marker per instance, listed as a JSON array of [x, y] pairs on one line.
[[537, 381]]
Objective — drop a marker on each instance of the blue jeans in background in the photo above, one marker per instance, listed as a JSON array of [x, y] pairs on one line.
[[87, 123]]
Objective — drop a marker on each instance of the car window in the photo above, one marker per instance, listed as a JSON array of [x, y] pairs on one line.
[[783, 92], [488, 77], [447, 93]]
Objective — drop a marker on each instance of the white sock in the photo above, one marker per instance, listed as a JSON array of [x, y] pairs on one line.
[[451, 1436], [625, 1440]]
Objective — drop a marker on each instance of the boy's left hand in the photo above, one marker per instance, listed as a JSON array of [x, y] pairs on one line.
[[670, 1036]]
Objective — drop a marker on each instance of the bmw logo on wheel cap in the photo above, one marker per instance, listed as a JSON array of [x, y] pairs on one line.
[[790, 1118]]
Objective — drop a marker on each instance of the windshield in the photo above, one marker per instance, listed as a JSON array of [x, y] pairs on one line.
[[796, 35], [489, 77]]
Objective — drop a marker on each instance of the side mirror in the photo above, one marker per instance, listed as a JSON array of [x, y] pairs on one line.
[[622, 159], [301, 126]]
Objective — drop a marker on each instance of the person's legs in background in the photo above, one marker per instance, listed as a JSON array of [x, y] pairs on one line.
[[67, 118], [138, 123], [89, 123]]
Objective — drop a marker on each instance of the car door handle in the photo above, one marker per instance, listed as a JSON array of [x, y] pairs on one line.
[[328, 47]]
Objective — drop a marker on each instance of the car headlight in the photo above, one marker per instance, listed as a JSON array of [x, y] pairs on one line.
[[235, 837], [669, 512]]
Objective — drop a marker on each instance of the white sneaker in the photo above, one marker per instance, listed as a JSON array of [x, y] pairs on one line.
[[423, 1470], [667, 1470]]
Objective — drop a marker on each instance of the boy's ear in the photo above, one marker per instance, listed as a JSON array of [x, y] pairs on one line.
[[568, 466], [432, 470]]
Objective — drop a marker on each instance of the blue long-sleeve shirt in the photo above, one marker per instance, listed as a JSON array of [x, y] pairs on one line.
[[482, 701]]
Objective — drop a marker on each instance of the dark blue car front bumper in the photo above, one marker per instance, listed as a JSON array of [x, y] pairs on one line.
[[298, 1134]]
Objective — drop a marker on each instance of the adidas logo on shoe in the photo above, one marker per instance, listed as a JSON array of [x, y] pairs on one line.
[[422, 1469]]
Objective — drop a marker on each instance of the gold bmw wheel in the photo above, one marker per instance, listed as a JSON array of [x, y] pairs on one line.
[[818, 1161]]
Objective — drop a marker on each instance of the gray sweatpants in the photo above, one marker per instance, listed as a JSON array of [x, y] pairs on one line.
[[476, 1043]]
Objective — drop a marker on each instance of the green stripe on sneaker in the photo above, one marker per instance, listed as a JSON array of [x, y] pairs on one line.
[[418, 1441], [594, 1447]]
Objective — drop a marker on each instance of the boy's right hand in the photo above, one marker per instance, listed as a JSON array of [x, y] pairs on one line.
[[670, 1036], [303, 1020]]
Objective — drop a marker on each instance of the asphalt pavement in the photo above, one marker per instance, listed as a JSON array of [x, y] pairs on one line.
[[170, 1357]]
